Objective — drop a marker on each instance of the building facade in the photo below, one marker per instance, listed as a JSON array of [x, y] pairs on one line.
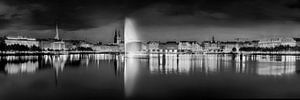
[[230, 46], [19, 40], [107, 48], [211, 46], [278, 41], [168, 47], [153, 46], [45, 44], [58, 45], [117, 37], [185, 46]]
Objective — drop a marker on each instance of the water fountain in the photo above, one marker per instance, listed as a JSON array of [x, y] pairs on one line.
[[133, 45]]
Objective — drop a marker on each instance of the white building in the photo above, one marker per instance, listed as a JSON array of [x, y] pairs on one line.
[[273, 42], [29, 42], [189, 46], [58, 44], [108, 48], [153, 46], [230, 45]]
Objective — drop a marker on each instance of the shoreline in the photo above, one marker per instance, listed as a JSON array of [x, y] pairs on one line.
[[8, 53], [21, 53], [259, 53]]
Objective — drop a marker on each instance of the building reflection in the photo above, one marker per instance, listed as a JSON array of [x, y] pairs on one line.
[[31, 64], [25, 67], [276, 65], [248, 64]]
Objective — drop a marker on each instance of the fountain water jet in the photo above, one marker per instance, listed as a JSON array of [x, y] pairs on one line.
[[131, 65], [133, 44]]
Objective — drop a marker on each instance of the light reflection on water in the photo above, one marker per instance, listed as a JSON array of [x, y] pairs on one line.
[[30, 64], [165, 76], [251, 64], [54, 77], [99, 76]]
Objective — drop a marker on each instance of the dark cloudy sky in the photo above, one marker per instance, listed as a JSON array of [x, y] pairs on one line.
[[95, 20]]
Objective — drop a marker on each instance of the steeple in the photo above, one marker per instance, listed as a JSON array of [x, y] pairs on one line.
[[117, 37], [213, 39], [57, 35]]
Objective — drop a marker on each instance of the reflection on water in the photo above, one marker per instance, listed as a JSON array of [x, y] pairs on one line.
[[26, 67], [52, 77], [97, 76], [173, 76], [131, 73], [250, 64], [30, 64]]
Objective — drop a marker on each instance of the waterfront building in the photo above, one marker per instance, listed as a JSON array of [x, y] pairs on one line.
[[253, 43], [71, 44], [52, 43], [186, 46], [116, 46], [85, 44], [234, 46], [230, 46], [74, 44], [212, 46], [45, 44], [108, 48], [20, 40], [168, 47], [58, 44], [117, 37], [121, 47], [297, 41], [153, 46], [277, 41]]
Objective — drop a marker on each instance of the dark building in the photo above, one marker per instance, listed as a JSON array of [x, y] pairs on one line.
[[117, 37]]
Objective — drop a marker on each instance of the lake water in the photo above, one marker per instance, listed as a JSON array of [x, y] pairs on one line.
[[170, 76]]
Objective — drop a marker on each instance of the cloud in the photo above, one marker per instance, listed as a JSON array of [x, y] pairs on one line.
[[70, 15], [225, 13], [13, 15]]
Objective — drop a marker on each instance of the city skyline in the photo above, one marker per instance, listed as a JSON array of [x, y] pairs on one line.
[[149, 49], [156, 19]]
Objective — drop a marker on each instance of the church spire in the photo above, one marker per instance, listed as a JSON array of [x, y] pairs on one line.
[[57, 35], [116, 35]]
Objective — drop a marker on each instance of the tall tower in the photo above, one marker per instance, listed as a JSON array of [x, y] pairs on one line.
[[57, 35], [117, 37], [213, 39]]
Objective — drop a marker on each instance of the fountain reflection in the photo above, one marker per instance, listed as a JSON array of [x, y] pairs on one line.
[[131, 73], [272, 65]]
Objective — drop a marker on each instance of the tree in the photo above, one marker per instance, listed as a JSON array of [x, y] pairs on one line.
[[2, 46], [234, 49]]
